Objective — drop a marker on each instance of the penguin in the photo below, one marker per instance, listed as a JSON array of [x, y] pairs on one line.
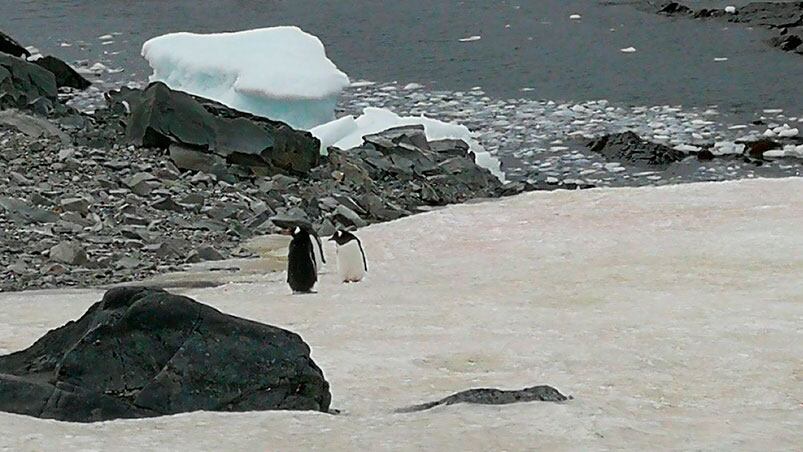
[[302, 268], [351, 262]]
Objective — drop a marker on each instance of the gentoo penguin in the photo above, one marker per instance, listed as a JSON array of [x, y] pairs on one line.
[[302, 271], [351, 263]]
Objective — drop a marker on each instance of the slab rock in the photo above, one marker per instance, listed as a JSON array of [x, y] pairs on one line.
[[143, 352], [65, 75], [23, 82], [629, 148], [162, 118], [11, 47]]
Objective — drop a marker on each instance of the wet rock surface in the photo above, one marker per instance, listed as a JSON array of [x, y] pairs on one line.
[[144, 352], [492, 396]]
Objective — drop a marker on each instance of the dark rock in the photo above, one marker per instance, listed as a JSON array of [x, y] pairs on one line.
[[787, 43], [348, 217], [675, 8], [144, 352], [756, 149], [19, 211], [11, 47], [207, 253], [32, 126], [70, 253], [167, 203], [190, 159], [490, 396], [629, 148], [65, 75], [776, 16], [22, 83], [166, 117], [290, 222], [79, 205], [705, 155], [134, 220]]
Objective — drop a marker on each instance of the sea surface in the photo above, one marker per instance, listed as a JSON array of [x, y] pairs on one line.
[[528, 49]]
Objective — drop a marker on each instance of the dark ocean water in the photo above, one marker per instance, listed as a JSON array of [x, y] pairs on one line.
[[525, 44]]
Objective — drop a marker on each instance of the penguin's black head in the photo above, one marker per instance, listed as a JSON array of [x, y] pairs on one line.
[[300, 232], [342, 237]]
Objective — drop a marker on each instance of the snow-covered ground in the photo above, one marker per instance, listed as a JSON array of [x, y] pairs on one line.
[[673, 315]]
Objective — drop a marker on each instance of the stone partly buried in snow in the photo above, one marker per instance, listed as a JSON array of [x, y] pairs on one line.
[[23, 83], [492, 396], [65, 75], [144, 352], [439, 172], [249, 145], [629, 148]]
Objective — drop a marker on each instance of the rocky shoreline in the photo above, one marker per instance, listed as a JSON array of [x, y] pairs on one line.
[[123, 189], [785, 19], [158, 179]]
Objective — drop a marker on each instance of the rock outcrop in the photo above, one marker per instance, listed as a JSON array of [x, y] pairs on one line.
[[143, 352], [11, 47], [23, 83], [163, 117], [65, 75], [629, 148], [785, 18]]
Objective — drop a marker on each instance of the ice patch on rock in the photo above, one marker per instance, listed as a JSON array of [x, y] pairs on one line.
[[348, 132], [281, 73]]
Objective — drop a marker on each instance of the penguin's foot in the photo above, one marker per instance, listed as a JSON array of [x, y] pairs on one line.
[[309, 292]]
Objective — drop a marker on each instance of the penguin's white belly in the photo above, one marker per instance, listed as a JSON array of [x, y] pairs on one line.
[[350, 265]]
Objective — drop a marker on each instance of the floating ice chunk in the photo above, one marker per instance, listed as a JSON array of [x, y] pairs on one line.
[[281, 73], [773, 111], [720, 59], [769, 133], [470, 38], [778, 153], [727, 148], [412, 86], [105, 37], [730, 9], [628, 50], [785, 131], [65, 44], [346, 133], [687, 148], [361, 84], [575, 17]]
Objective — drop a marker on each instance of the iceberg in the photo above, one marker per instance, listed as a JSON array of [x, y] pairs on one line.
[[281, 73], [348, 132]]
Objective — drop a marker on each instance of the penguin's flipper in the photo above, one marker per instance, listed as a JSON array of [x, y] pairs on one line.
[[364, 261], [320, 246]]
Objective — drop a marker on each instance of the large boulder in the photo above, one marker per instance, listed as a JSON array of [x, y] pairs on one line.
[[65, 75], [631, 149], [11, 47], [163, 117], [22, 82], [143, 352]]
